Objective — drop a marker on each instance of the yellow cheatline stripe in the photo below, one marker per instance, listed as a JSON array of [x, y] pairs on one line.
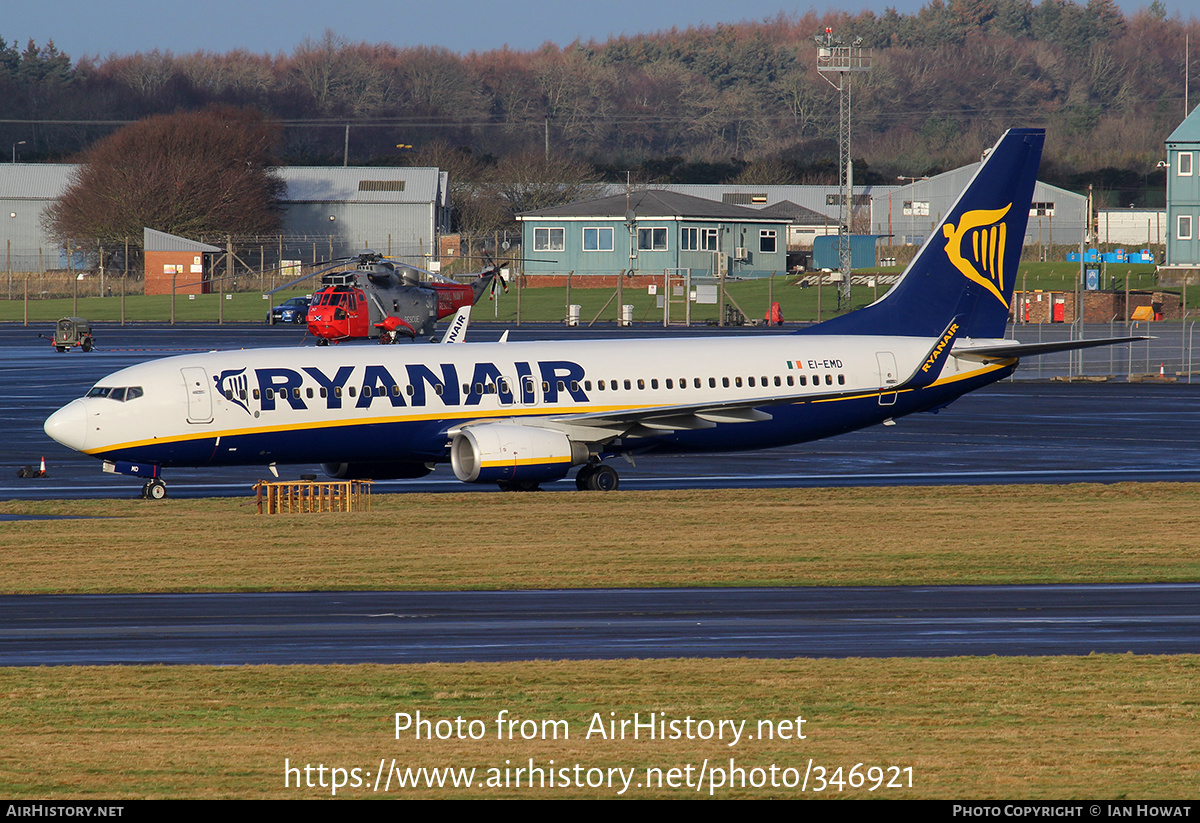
[[333, 424]]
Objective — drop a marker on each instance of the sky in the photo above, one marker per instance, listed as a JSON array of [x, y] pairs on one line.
[[273, 26]]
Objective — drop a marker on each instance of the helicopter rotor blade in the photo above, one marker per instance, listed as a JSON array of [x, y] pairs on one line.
[[333, 265]]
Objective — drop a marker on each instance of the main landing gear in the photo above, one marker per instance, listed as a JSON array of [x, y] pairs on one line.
[[154, 489], [597, 477]]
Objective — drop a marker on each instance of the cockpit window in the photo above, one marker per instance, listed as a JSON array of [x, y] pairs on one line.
[[120, 394]]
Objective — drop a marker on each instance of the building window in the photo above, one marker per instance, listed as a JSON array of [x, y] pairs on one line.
[[598, 239], [1185, 227], [652, 239], [1185, 164], [689, 239], [1041, 209], [548, 239], [766, 241], [708, 239]]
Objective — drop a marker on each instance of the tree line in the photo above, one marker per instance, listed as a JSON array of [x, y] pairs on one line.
[[729, 103]]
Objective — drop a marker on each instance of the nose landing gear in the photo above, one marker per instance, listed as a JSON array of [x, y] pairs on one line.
[[154, 489]]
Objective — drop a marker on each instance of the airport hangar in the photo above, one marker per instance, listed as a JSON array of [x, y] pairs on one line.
[[328, 211]]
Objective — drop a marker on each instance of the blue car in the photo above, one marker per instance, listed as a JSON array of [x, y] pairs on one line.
[[290, 311]]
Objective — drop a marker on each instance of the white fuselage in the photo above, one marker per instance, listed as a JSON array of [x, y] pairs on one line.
[[403, 403]]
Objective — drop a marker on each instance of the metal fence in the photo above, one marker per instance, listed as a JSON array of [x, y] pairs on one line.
[[1169, 354]]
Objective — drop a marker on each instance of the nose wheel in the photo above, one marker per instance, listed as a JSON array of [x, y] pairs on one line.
[[154, 489]]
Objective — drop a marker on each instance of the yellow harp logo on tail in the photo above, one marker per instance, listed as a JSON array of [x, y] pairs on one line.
[[985, 235]]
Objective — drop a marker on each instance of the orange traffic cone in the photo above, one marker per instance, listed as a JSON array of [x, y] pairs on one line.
[[1161, 373], [42, 471]]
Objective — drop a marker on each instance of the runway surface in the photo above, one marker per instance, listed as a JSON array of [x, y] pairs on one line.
[[411, 627], [1014, 432]]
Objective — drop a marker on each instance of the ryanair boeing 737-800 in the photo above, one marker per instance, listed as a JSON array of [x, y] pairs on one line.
[[520, 414]]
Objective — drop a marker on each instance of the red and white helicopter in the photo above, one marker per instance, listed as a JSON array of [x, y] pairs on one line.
[[369, 296]]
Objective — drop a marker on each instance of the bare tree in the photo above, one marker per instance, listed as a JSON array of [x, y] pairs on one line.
[[193, 173]]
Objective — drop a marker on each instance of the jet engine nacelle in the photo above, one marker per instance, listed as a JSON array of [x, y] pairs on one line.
[[503, 451], [375, 471]]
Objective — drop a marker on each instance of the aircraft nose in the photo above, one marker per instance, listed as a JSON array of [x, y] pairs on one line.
[[68, 425]]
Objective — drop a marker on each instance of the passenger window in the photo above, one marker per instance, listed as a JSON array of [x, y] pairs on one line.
[[791, 380], [841, 379], [309, 393], [670, 383], [696, 382], [324, 392], [641, 385], [296, 393], [562, 386], [737, 381], [479, 388], [750, 380], [654, 383], [437, 389], [337, 391], [600, 385], [683, 382], [587, 385], [777, 383], [725, 382], [352, 391], [829, 380], [229, 394], [628, 385], [712, 382], [612, 384]]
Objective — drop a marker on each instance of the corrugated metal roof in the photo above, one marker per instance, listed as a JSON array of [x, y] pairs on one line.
[[361, 184], [47, 181], [35, 181], [161, 241], [651, 203]]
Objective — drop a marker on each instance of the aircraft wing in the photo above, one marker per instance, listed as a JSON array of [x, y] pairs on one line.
[[658, 420], [1005, 351]]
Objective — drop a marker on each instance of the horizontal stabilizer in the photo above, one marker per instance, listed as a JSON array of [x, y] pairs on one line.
[[1006, 351]]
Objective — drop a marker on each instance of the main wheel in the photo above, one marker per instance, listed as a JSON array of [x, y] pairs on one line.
[[603, 479], [585, 473], [154, 489]]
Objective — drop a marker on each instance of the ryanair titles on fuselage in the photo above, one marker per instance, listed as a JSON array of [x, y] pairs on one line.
[[380, 384]]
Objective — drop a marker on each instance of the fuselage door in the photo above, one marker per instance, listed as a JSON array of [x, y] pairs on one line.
[[199, 397], [887, 376]]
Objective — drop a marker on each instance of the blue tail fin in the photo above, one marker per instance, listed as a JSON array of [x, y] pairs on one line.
[[967, 267]]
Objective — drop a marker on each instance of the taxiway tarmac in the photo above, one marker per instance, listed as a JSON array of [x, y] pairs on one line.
[[1013, 432], [411, 627]]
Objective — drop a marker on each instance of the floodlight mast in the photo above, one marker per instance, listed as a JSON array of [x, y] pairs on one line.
[[833, 57]]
